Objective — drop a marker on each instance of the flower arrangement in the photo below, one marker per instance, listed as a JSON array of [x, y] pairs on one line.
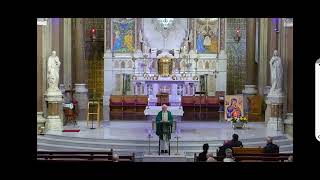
[[242, 119]]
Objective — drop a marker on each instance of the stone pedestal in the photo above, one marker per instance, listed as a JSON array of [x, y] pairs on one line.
[[81, 95], [54, 102], [249, 90], [40, 120], [275, 104], [267, 112]]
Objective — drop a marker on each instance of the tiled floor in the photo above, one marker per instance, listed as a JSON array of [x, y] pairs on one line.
[[190, 130]]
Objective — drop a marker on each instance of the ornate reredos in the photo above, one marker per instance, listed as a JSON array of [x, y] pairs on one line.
[[164, 31]]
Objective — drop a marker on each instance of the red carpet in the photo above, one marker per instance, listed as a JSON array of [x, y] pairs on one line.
[[71, 130]]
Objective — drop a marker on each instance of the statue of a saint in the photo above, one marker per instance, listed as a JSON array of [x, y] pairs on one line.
[[145, 49], [53, 72], [276, 74], [185, 48]]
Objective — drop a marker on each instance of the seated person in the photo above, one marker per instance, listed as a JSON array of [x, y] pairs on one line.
[[203, 155], [270, 147], [222, 149], [235, 142], [229, 157], [210, 158]]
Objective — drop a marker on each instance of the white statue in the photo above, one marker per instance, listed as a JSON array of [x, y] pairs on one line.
[[185, 48], [276, 74], [53, 72], [145, 49]]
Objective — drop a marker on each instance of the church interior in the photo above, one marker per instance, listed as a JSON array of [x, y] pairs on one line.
[[103, 82]]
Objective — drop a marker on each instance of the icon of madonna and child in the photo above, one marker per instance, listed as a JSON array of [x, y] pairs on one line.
[[234, 108]]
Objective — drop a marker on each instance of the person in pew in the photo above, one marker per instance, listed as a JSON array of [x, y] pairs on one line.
[[270, 147], [222, 149], [229, 157], [164, 132], [210, 158], [115, 158], [235, 142], [203, 155]]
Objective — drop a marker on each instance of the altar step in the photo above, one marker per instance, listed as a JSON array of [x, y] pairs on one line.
[[126, 147]]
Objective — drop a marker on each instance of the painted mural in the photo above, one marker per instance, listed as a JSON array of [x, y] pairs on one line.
[[233, 106], [123, 35], [207, 35]]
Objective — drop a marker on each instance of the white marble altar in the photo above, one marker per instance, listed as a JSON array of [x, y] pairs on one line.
[[154, 110]]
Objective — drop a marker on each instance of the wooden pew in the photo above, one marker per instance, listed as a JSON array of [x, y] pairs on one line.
[[82, 156], [116, 103], [261, 158], [247, 150], [129, 102], [213, 103], [75, 152]]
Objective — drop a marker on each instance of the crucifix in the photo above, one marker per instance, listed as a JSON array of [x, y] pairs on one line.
[[215, 72]]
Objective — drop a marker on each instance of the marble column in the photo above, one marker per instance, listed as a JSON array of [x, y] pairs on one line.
[[108, 80], [263, 56], [40, 101], [286, 54], [44, 37], [251, 41], [39, 69], [251, 80], [138, 43], [67, 54], [81, 91]]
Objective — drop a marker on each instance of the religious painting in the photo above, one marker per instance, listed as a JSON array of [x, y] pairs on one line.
[[233, 106], [207, 35], [123, 35]]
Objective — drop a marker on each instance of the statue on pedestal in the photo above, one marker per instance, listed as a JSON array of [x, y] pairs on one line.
[[53, 72], [276, 74]]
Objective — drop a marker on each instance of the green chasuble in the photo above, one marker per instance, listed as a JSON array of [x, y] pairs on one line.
[[166, 129]]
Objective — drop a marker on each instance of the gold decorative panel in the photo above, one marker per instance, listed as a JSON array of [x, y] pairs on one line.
[[95, 77]]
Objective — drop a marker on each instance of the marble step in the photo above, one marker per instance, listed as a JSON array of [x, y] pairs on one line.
[[153, 140], [55, 147], [145, 144]]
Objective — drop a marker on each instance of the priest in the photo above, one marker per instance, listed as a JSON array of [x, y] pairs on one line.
[[164, 122]]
